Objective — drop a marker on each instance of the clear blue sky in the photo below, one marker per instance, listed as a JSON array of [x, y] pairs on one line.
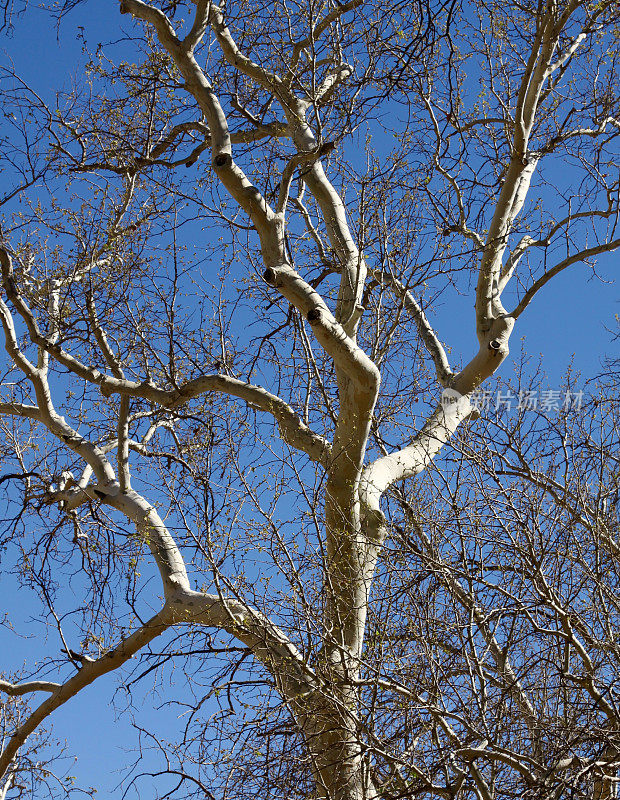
[[46, 58]]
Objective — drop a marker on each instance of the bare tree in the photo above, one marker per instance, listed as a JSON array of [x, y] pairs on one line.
[[221, 251]]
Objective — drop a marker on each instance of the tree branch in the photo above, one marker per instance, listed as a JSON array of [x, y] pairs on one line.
[[15, 689], [576, 258], [429, 338]]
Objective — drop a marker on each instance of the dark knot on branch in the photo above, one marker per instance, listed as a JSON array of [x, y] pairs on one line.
[[270, 276], [314, 315], [221, 160]]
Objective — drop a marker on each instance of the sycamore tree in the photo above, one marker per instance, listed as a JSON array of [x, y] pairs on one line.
[[235, 445]]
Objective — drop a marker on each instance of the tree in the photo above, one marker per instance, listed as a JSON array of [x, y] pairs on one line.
[[221, 253]]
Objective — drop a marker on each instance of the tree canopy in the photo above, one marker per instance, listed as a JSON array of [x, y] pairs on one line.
[[237, 446]]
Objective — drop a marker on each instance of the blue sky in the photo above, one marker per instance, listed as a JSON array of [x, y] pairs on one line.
[[572, 319], [47, 57]]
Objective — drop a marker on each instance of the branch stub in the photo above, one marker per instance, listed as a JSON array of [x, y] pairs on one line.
[[221, 160], [269, 276], [314, 315]]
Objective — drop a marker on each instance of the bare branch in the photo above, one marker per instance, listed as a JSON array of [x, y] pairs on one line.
[[576, 258], [15, 689]]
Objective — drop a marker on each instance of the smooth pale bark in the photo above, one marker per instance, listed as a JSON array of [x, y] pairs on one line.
[[323, 696]]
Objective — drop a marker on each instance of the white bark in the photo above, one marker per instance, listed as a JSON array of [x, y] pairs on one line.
[[323, 698]]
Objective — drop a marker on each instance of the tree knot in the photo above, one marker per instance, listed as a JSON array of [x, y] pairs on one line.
[[314, 315], [222, 160]]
